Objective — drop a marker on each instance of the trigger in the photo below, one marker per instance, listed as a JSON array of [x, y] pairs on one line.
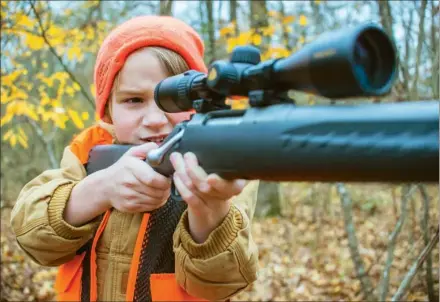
[[175, 193]]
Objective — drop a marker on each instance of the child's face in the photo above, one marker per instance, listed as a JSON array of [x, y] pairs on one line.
[[135, 115]]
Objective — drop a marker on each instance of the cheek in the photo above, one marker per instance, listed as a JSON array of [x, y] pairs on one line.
[[124, 126], [176, 118]]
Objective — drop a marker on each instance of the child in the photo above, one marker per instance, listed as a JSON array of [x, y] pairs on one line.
[[116, 234]]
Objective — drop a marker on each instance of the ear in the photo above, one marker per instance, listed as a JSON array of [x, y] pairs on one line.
[[107, 119]]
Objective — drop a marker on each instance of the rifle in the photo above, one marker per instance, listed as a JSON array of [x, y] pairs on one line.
[[276, 140]]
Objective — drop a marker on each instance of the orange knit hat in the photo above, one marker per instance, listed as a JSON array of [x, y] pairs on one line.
[[139, 32]]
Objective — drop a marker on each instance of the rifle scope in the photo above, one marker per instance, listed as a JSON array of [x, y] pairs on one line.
[[354, 62]]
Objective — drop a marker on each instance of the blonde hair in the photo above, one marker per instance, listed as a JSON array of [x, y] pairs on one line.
[[171, 61]]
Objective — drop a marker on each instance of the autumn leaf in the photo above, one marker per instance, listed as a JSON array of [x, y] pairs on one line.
[[256, 39], [34, 42], [75, 51], [302, 20], [13, 140], [288, 19], [22, 141], [6, 119], [85, 115], [76, 119], [93, 90], [272, 13], [24, 21], [7, 135], [226, 31]]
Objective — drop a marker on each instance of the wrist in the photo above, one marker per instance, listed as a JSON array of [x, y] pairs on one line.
[[202, 224], [87, 200]]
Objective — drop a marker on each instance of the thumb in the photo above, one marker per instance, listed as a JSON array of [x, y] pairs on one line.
[[141, 150]]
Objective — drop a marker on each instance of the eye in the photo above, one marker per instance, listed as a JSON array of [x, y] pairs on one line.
[[133, 100]]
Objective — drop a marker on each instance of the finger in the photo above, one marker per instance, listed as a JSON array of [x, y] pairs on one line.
[[196, 173], [190, 198], [148, 177], [141, 151], [135, 200], [149, 191], [228, 187], [178, 163]]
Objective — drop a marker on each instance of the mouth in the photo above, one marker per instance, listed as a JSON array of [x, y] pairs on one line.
[[158, 139]]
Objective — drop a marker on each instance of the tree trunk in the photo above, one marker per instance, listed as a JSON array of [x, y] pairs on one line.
[[362, 275], [258, 19], [421, 38], [425, 230], [268, 199], [435, 29], [384, 282], [386, 18], [165, 7], [286, 38], [233, 15], [211, 30]]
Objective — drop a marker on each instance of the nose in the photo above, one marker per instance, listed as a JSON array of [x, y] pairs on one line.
[[154, 117]]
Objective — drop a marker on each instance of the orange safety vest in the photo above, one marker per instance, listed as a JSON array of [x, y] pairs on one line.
[[76, 279]]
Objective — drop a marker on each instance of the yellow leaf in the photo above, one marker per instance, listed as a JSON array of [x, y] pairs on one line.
[[34, 42], [59, 122], [90, 34], [44, 65], [272, 13], [317, 1], [268, 31], [288, 19], [301, 40], [93, 90], [13, 140], [257, 39], [243, 38], [7, 134], [76, 86], [22, 142], [8, 80], [303, 20], [75, 51], [21, 132], [76, 119], [70, 91], [24, 21], [31, 113], [85, 115], [46, 116], [225, 31], [231, 43]]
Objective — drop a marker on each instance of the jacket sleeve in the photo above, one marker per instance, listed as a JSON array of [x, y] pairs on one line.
[[37, 217], [227, 262]]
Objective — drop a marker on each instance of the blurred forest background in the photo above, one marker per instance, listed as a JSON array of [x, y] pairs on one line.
[[317, 241]]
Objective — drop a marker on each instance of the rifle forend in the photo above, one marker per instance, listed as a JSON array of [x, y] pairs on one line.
[[396, 142]]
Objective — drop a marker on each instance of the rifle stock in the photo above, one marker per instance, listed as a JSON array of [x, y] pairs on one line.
[[396, 142]]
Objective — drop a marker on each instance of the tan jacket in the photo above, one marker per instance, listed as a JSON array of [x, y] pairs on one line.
[[217, 269]]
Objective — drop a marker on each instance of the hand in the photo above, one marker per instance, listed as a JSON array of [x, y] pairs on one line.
[[132, 185], [208, 196]]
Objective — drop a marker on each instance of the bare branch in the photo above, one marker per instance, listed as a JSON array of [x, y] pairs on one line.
[[366, 284], [414, 268], [421, 38], [48, 143], [425, 223], [383, 285]]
